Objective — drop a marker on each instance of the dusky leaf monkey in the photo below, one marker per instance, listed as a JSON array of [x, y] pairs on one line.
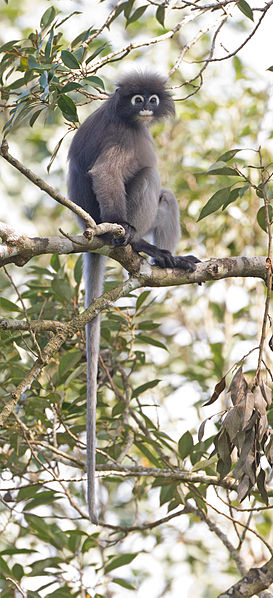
[[113, 176]]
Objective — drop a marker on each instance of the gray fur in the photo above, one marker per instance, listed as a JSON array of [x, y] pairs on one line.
[[113, 176], [94, 266], [166, 229]]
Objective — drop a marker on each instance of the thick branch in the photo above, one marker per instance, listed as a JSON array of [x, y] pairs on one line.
[[256, 580], [19, 249]]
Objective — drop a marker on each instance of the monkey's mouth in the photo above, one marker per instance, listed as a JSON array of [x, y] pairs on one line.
[[146, 114]]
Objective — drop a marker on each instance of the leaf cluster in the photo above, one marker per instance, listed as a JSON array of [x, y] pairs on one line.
[[246, 428], [50, 73]]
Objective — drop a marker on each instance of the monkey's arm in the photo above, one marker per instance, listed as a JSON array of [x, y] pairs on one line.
[[108, 175]]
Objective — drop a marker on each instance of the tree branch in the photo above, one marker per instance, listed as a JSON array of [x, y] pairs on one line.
[[55, 343], [20, 249], [256, 580]]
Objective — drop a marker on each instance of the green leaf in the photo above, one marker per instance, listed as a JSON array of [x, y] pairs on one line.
[[222, 169], [55, 262], [9, 45], [215, 202], [35, 116], [18, 83], [97, 81], [148, 325], [44, 497], [150, 341], [28, 492], [140, 389], [68, 108], [43, 80], [47, 17], [75, 12], [69, 360], [78, 268], [119, 561], [261, 217], [49, 42], [18, 551], [61, 290], [148, 454], [7, 305], [141, 299], [167, 492], [50, 533], [37, 66], [123, 583], [160, 15], [128, 5], [4, 569], [90, 542], [69, 60], [71, 86], [17, 571], [245, 9], [75, 537], [234, 194], [96, 52], [228, 155], [39, 567], [185, 445], [136, 15], [118, 11], [54, 153], [82, 37]]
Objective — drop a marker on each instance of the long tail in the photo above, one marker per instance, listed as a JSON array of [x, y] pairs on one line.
[[94, 266]]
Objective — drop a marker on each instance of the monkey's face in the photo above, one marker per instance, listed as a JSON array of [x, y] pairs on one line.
[[139, 107], [142, 97], [144, 107]]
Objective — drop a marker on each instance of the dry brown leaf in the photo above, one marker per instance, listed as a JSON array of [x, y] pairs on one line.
[[249, 406], [238, 387], [233, 422], [219, 387], [267, 393], [259, 401]]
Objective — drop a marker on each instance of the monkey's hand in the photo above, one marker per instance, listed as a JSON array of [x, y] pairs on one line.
[[128, 237], [183, 262]]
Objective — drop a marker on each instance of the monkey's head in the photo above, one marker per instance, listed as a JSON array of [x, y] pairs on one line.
[[142, 97]]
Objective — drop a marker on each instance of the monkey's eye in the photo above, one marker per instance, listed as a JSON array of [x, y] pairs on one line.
[[154, 99], [137, 99]]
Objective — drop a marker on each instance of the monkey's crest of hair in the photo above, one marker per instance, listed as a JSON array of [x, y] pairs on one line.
[[147, 83]]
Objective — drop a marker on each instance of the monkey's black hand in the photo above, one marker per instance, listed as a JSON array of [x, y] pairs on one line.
[[128, 237], [183, 262]]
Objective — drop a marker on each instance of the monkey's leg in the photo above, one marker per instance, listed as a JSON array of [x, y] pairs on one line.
[[166, 234], [142, 194]]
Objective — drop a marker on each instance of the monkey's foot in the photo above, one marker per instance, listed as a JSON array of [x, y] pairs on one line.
[[183, 262], [109, 239], [128, 237]]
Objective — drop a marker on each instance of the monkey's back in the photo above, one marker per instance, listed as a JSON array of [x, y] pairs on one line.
[[85, 148]]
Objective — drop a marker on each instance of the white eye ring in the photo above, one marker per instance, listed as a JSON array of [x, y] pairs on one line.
[[137, 99], [154, 99]]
